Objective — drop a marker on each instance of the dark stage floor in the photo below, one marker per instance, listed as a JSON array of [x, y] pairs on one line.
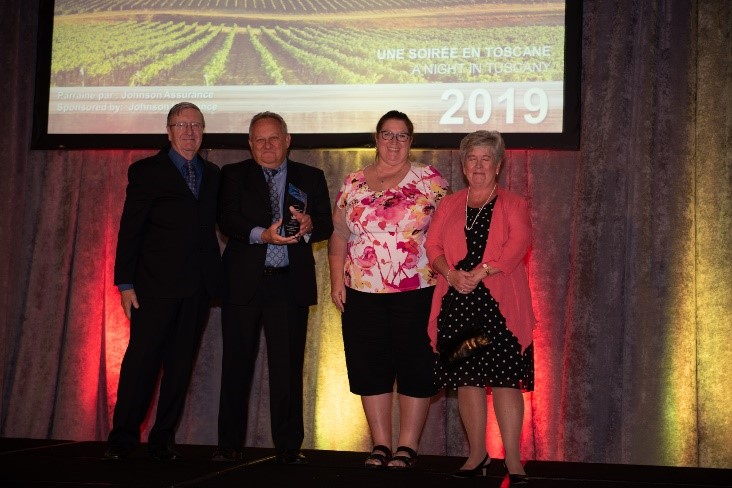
[[44, 463]]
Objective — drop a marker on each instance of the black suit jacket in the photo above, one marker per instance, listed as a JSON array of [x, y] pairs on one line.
[[167, 245], [244, 204]]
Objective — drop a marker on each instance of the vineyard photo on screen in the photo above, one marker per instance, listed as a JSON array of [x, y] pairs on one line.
[[328, 66]]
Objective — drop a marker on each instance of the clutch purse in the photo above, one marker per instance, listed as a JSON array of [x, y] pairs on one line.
[[461, 350], [471, 342]]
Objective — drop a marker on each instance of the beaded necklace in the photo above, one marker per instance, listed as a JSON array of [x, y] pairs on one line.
[[383, 179], [479, 211]]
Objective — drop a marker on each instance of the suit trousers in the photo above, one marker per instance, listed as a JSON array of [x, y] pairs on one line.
[[285, 328], [164, 332]]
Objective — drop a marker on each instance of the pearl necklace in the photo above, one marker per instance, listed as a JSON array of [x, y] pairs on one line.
[[479, 211]]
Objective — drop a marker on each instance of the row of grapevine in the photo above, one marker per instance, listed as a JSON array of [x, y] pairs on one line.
[[171, 60], [131, 53], [319, 69], [271, 68], [341, 48], [69, 7], [217, 66], [362, 46], [101, 48]]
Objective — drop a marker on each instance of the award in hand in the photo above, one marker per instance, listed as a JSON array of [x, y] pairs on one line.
[[297, 198]]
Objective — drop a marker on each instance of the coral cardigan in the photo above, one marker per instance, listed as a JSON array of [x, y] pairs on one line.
[[509, 238]]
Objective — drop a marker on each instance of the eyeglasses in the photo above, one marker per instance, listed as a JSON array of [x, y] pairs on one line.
[[388, 135], [263, 141], [182, 126]]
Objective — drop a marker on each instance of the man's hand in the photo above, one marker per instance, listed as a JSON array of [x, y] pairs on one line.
[[271, 235], [129, 300], [306, 222]]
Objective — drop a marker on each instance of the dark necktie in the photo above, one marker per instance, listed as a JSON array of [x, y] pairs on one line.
[[275, 253], [190, 171]]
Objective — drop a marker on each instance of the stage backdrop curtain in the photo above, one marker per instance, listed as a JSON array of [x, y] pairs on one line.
[[629, 268]]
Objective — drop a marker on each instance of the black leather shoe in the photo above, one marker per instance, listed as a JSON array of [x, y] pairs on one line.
[[293, 457], [480, 470], [114, 453], [223, 454], [164, 453], [517, 479]]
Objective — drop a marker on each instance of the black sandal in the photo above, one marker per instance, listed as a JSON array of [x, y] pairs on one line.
[[379, 453], [409, 461]]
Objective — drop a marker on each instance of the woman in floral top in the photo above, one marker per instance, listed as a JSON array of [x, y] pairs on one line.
[[382, 283]]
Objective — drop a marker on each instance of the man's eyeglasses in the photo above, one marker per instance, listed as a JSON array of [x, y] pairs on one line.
[[263, 141], [388, 135], [182, 126]]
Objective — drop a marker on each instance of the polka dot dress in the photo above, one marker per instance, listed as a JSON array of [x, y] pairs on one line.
[[502, 363]]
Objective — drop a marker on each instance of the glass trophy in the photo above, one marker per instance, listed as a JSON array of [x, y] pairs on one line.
[[297, 198]]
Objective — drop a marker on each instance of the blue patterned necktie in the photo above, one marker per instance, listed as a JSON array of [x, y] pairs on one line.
[[275, 253], [191, 177]]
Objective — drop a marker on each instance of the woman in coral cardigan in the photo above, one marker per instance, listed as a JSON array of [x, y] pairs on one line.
[[477, 243]]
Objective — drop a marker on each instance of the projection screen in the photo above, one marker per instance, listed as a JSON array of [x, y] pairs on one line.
[[109, 71]]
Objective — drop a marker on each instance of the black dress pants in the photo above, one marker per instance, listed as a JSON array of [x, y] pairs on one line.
[[163, 333], [285, 327]]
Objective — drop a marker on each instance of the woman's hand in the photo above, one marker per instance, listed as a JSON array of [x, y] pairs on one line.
[[338, 295], [464, 281], [337, 249]]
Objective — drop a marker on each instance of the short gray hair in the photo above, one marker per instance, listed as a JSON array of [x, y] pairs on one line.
[[179, 107], [268, 115], [483, 138]]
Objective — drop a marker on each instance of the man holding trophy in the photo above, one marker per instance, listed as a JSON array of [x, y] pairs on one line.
[[271, 209]]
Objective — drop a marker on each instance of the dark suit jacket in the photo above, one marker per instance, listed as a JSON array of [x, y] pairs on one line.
[[244, 204], [167, 245]]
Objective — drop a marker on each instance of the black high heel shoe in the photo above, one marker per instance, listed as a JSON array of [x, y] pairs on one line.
[[480, 470], [516, 479]]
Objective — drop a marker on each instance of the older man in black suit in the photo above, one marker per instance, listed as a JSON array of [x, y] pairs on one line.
[[272, 209], [167, 268]]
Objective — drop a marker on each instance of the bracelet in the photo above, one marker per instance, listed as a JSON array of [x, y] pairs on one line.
[[447, 277], [485, 267]]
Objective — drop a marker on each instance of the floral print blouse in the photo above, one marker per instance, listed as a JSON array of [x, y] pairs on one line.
[[385, 252]]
